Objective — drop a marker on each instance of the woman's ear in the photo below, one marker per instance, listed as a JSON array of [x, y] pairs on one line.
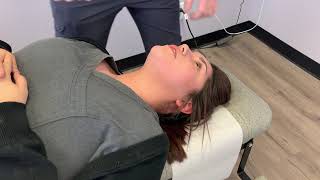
[[183, 106]]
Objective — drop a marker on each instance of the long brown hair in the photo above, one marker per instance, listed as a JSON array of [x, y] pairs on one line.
[[215, 92]]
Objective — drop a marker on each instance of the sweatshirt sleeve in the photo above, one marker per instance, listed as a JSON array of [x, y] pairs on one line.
[[14, 128], [22, 154]]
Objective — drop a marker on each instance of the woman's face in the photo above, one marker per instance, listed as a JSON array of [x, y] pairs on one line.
[[183, 70]]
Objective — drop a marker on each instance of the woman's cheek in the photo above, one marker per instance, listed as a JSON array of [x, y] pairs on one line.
[[189, 78]]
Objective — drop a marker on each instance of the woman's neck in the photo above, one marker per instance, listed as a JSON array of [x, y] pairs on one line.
[[142, 86], [145, 86], [104, 68]]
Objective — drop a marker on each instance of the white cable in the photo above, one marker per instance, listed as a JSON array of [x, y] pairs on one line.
[[245, 30]]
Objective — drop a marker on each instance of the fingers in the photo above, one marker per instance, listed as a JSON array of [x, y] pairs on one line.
[[14, 65], [21, 81], [2, 72], [7, 67], [201, 11], [187, 5], [206, 8]]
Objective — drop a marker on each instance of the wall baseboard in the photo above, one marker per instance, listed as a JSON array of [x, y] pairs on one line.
[[290, 53], [293, 55], [139, 59]]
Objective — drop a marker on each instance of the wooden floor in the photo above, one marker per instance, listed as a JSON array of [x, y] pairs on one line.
[[290, 149]]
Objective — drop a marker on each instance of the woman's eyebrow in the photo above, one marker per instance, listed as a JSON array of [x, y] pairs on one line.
[[204, 62], [201, 53]]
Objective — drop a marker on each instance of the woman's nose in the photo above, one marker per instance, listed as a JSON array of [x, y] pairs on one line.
[[184, 49]]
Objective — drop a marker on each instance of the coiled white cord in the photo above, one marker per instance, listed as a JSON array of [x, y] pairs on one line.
[[236, 33]]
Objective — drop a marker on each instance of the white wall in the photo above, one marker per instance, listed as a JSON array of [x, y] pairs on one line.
[[25, 21], [125, 41], [295, 22]]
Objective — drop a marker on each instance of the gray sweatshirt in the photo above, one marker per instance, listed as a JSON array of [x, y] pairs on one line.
[[79, 113]]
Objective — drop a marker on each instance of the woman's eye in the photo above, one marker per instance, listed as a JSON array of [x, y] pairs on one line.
[[198, 65]]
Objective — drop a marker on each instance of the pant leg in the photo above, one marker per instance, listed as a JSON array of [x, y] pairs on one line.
[[91, 20], [157, 21]]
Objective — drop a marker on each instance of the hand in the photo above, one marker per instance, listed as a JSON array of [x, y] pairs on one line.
[[3, 54], [11, 91], [206, 8]]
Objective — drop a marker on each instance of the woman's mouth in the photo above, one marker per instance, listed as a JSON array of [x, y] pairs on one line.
[[174, 50]]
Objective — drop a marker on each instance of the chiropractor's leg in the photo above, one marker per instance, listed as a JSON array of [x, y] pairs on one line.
[[157, 21], [89, 20]]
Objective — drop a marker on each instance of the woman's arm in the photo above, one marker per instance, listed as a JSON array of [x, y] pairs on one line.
[[22, 154]]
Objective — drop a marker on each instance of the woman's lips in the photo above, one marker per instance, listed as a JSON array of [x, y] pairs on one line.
[[174, 49]]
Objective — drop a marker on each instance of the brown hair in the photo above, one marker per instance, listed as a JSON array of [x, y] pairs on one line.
[[215, 92]]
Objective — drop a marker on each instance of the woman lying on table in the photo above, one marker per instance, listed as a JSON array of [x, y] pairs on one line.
[[84, 110]]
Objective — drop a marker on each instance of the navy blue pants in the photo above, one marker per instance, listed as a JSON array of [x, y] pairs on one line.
[[157, 20]]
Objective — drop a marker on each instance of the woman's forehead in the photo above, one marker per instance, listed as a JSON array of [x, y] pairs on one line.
[[200, 53]]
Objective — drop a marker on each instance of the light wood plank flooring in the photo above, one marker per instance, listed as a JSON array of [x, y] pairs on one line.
[[290, 149]]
